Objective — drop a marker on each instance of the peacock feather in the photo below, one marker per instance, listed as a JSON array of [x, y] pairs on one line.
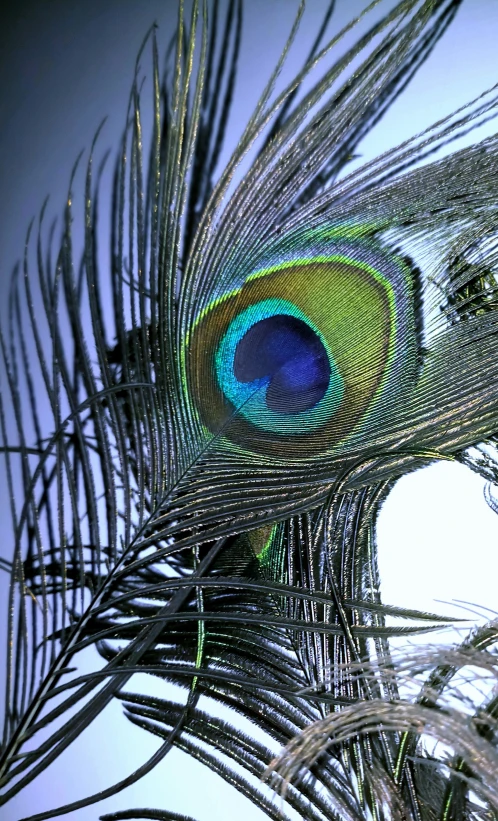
[[198, 434]]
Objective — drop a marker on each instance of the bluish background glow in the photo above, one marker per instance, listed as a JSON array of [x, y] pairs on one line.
[[63, 67]]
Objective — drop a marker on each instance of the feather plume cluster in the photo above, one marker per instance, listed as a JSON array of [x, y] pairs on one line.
[[196, 442]]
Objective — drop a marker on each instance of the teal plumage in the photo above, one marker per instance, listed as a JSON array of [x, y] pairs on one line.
[[277, 348]]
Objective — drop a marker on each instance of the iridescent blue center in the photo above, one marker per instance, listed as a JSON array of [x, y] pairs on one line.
[[275, 368], [290, 356]]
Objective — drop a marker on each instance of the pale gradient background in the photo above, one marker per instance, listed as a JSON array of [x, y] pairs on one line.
[[64, 65]]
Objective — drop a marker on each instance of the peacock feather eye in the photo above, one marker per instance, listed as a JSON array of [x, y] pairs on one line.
[[309, 346], [274, 365]]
